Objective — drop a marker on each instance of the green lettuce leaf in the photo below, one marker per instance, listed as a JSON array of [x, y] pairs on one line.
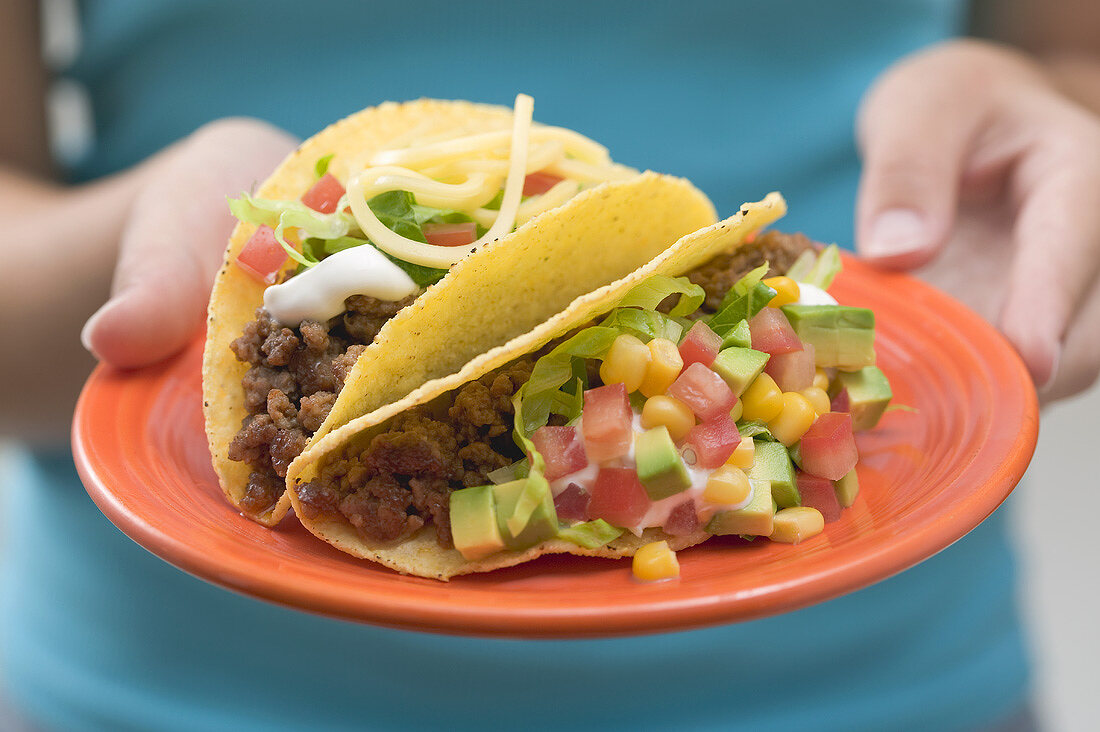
[[590, 534], [321, 166], [736, 308], [282, 214], [652, 291], [755, 429], [817, 268]]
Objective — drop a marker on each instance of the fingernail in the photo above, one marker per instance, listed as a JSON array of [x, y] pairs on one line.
[[1054, 362], [89, 326], [896, 231]]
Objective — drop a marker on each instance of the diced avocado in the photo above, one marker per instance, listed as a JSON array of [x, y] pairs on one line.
[[773, 463], [739, 366], [474, 522], [543, 522], [738, 336], [660, 469], [868, 395], [847, 488], [754, 519], [795, 451], [843, 337]]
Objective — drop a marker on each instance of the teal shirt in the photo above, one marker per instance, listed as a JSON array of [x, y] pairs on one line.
[[741, 97]]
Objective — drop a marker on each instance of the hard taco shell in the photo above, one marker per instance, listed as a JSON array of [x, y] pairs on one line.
[[421, 555], [503, 290]]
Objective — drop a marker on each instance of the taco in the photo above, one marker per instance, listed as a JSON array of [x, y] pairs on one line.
[[660, 407], [430, 229]]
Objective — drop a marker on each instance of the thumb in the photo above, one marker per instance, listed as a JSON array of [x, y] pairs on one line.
[[174, 241], [916, 126]]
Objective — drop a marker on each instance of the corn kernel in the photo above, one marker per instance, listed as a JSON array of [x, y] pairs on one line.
[[796, 417], [819, 400], [786, 291], [763, 400], [625, 363], [821, 379], [664, 366], [655, 561], [792, 525], [727, 485], [670, 412], [737, 411], [743, 455]]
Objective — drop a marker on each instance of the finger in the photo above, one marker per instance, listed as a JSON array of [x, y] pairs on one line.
[[916, 128], [175, 239], [1056, 236], [1079, 365]]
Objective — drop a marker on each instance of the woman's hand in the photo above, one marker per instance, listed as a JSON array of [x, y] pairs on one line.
[[174, 239], [985, 179]]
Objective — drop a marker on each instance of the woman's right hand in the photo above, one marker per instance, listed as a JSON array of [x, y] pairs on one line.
[[174, 237]]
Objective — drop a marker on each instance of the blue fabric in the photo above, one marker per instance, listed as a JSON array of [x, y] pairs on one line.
[[742, 97]]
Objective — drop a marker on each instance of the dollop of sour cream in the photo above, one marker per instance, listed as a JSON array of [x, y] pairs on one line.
[[813, 295], [319, 292]]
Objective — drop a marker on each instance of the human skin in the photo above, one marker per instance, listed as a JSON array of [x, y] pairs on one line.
[[988, 153]]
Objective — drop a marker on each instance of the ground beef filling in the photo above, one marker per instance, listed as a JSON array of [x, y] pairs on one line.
[[294, 377], [719, 274], [404, 478]]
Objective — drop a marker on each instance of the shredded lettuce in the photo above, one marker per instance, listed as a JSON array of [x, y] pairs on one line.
[[508, 473], [325, 234], [646, 324], [736, 308], [817, 268], [590, 534], [282, 214], [321, 166], [652, 291], [755, 429]]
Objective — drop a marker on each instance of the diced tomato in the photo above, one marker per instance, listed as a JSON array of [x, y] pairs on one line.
[[324, 195], [682, 520], [829, 448], [705, 392], [451, 235], [792, 371], [618, 497], [842, 402], [561, 448], [538, 183], [700, 345], [607, 422], [262, 256], [713, 441], [819, 493], [572, 503], [771, 333]]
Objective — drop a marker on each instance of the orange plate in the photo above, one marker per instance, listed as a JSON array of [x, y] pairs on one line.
[[927, 478]]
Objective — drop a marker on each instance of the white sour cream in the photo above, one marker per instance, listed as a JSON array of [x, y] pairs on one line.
[[813, 295], [319, 292]]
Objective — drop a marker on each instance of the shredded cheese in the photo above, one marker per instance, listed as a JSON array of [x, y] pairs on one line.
[[443, 257]]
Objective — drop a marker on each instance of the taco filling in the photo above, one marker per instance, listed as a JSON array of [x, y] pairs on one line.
[[649, 417], [349, 255]]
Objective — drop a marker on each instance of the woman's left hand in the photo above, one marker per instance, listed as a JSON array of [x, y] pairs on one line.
[[984, 178]]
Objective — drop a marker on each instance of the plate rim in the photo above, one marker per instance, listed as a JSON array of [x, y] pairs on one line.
[[502, 620]]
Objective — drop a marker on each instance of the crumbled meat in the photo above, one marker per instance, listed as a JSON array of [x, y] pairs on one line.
[[261, 493], [719, 274], [314, 410], [405, 476], [366, 315], [403, 479], [293, 380]]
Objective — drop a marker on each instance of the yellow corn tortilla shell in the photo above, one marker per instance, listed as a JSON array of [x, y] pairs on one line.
[[420, 555], [504, 289]]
